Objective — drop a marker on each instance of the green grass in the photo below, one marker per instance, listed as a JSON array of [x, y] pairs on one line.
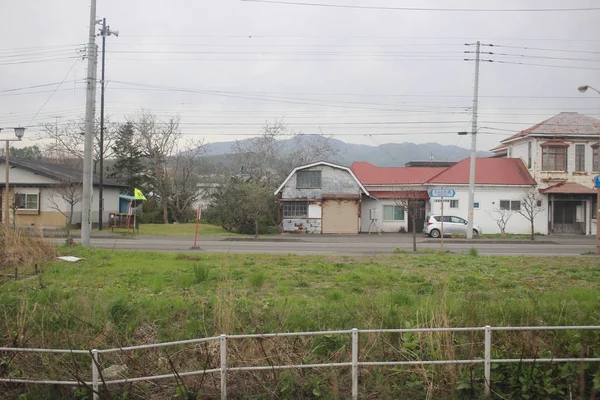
[[122, 297], [182, 230]]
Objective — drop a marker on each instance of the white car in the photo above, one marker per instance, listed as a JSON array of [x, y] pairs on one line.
[[452, 224]]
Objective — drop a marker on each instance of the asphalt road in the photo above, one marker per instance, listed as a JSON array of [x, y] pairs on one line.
[[354, 245]]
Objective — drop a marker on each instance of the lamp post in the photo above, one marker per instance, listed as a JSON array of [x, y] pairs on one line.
[[584, 89], [19, 132]]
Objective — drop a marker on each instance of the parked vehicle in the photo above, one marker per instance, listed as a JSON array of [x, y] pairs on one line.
[[452, 224]]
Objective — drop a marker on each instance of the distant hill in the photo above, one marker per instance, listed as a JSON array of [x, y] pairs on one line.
[[385, 155]]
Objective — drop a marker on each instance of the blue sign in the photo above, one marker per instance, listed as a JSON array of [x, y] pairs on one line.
[[442, 193], [597, 181]]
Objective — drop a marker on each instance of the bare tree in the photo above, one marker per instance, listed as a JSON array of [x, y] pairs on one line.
[[63, 198], [158, 140], [501, 217], [268, 159], [186, 165], [409, 199], [66, 140], [531, 205], [257, 157]]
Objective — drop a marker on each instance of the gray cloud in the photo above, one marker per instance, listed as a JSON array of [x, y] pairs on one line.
[[349, 73]]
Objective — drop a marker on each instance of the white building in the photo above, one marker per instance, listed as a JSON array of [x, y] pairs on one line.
[[34, 199], [500, 186], [561, 153]]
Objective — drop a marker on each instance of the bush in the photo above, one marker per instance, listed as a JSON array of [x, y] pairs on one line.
[[201, 273]]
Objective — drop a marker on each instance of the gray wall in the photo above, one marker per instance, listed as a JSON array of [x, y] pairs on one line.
[[333, 181]]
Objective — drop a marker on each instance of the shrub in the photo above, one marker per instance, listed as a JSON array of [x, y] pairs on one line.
[[257, 279], [201, 273]]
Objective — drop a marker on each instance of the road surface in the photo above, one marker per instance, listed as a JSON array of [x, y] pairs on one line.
[[351, 245]]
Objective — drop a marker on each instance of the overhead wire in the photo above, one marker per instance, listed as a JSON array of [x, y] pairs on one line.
[[361, 7]]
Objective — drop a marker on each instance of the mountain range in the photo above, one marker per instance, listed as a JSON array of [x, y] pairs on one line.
[[384, 155]]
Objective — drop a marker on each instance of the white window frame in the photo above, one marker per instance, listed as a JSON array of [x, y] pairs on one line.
[[27, 200], [511, 205], [394, 213], [295, 206], [457, 204]]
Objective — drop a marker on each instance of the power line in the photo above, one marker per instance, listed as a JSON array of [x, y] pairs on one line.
[[329, 5]]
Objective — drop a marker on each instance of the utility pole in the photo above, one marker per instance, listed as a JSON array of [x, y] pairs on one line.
[[104, 32], [473, 146], [90, 108]]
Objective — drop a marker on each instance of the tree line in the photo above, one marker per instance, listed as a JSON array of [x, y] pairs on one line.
[[174, 172]]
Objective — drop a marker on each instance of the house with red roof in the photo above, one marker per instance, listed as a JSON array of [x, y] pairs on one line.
[[561, 153], [324, 197], [500, 184], [391, 189]]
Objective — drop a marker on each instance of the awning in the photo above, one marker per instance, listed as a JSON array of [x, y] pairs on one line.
[[568, 188], [409, 194]]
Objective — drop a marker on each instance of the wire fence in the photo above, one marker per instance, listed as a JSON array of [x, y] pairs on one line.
[[229, 363]]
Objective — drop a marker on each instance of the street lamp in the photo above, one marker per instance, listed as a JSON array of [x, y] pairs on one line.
[[584, 89], [19, 132]]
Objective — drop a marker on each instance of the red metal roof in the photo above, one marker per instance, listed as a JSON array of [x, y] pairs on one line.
[[410, 194], [488, 171], [568, 188], [565, 123], [369, 174]]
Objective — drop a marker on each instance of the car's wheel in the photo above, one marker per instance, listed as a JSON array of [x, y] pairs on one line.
[[475, 233], [434, 233]]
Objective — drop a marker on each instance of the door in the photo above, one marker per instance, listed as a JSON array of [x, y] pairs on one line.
[[420, 217], [448, 225], [340, 216], [569, 217], [459, 225]]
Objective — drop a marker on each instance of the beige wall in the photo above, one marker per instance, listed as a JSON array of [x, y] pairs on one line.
[[44, 219]]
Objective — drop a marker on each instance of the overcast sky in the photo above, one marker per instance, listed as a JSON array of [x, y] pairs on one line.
[[367, 76]]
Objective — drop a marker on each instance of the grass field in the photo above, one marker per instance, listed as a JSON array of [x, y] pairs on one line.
[[173, 230], [122, 298]]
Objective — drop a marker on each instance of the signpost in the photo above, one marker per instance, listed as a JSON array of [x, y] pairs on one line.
[[441, 193]]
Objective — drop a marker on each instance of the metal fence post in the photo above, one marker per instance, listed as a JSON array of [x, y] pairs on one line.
[[95, 362], [223, 346], [487, 365], [355, 364]]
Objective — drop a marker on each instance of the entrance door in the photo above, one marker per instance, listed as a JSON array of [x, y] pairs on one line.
[[340, 216], [569, 217], [420, 220]]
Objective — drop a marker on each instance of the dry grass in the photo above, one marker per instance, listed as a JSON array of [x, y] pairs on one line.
[[19, 249]]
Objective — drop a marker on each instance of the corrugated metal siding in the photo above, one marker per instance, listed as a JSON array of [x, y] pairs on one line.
[[340, 216]]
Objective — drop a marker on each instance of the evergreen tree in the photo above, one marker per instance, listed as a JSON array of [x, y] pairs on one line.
[[129, 166]]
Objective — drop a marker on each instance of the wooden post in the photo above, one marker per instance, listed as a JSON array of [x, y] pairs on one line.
[[16, 274]]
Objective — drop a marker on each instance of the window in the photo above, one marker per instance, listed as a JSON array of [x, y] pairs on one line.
[[538, 203], [308, 179], [529, 155], [457, 220], [554, 158], [476, 204], [595, 157], [393, 213], [513, 205], [295, 209], [453, 203], [580, 157], [26, 201]]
